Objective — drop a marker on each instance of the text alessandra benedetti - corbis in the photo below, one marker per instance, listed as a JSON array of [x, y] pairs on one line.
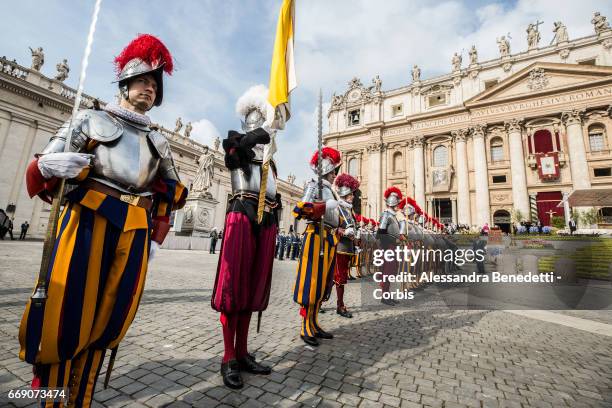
[[494, 277]]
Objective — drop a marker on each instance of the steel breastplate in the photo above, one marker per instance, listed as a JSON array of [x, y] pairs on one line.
[[393, 226], [128, 163], [241, 183]]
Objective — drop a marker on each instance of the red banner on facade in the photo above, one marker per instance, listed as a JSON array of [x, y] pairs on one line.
[[548, 166]]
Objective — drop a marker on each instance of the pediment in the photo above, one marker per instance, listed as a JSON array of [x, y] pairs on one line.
[[542, 77]]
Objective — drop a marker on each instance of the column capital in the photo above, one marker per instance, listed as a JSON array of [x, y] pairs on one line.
[[375, 147], [513, 125], [478, 131], [572, 117], [459, 135], [418, 141]]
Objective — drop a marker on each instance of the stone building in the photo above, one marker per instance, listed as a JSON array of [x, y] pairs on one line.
[[477, 145], [32, 108]]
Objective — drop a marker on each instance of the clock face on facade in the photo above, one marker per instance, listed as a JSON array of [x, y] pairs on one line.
[[354, 95]]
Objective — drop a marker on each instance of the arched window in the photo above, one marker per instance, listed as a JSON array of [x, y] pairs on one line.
[[497, 149], [440, 156], [597, 140], [352, 167], [398, 163]]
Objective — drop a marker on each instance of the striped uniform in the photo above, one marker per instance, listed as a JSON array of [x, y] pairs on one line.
[[313, 281], [95, 281]]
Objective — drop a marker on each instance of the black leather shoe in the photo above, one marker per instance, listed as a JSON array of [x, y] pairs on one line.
[[311, 341], [324, 335], [248, 364], [387, 302], [351, 277], [321, 310], [230, 372], [344, 313]]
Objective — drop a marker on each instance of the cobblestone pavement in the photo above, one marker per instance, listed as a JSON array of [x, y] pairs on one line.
[[399, 357]]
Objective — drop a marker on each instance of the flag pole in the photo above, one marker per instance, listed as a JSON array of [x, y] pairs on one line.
[[39, 296]]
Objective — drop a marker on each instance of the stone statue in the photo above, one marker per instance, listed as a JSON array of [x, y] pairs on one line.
[[204, 176], [533, 36], [291, 178], [179, 125], [217, 143], [188, 130], [473, 55], [504, 46], [336, 100], [560, 33], [456, 61], [377, 83], [62, 70], [600, 23], [416, 73], [38, 58]]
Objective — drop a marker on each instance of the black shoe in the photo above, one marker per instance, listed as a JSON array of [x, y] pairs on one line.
[[344, 313], [322, 310], [387, 302], [311, 341], [248, 364], [351, 278], [230, 372], [324, 335]]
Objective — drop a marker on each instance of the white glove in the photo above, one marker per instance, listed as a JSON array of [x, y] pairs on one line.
[[153, 250], [349, 232], [63, 165]]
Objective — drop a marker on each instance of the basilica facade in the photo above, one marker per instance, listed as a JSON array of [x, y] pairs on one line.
[[491, 141], [33, 106]]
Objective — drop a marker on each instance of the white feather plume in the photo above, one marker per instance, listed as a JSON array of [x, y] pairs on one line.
[[255, 97]]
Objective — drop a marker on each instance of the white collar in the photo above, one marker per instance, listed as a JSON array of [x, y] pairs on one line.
[[128, 114]]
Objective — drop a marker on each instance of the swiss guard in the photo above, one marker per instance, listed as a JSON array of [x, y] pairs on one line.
[[125, 186], [391, 232], [314, 276], [345, 187], [244, 271]]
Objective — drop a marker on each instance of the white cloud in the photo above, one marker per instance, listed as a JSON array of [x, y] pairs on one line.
[[338, 40], [205, 132]]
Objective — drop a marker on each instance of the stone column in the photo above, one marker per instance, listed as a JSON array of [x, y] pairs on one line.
[[419, 172], [454, 206], [374, 178], [581, 178], [463, 184], [520, 197], [481, 176]]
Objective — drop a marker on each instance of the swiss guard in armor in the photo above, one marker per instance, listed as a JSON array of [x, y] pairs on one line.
[[345, 187], [244, 271], [314, 276], [125, 186], [391, 232]]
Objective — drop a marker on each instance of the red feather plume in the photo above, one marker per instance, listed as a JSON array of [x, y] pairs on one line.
[[149, 49], [402, 204], [346, 180], [327, 152], [411, 201], [393, 190]]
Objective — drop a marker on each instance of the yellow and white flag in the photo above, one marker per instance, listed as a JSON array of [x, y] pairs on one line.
[[282, 70]]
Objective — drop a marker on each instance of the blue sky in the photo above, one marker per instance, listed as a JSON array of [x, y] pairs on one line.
[[222, 48]]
